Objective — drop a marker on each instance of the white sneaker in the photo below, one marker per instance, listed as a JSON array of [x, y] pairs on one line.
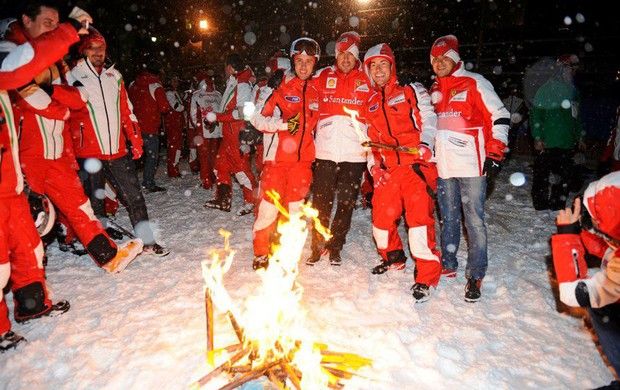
[[247, 208], [125, 254]]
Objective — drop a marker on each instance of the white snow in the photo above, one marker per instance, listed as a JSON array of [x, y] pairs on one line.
[[145, 328]]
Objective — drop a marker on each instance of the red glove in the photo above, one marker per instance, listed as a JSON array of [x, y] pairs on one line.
[[136, 151], [380, 176], [495, 149], [424, 152]]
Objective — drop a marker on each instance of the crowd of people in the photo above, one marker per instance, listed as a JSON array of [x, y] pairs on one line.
[[73, 130]]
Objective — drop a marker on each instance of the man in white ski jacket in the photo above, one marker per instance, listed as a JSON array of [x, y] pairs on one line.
[[208, 135], [472, 133], [340, 157]]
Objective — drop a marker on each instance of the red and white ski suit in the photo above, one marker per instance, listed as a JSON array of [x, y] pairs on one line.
[[101, 128], [403, 116], [287, 166], [21, 249], [336, 138], [174, 123], [471, 122], [149, 101], [208, 136], [260, 89], [229, 159], [46, 150]]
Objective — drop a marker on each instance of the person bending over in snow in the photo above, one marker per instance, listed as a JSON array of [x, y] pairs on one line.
[[594, 225]]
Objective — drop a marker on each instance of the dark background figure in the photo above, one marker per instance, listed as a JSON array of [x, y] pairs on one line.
[[557, 129]]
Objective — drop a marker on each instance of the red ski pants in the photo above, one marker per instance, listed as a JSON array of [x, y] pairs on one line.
[[291, 180], [21, 251], [59, 181], [230, 161], [406, 191], [193, 154], [207, 154], [174, 134]]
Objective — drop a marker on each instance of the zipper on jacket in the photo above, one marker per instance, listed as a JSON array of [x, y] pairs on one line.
[[387, 122], [81, 135], [303, 132], [54, 140], [105, 106]]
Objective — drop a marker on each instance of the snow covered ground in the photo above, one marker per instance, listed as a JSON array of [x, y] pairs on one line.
[[145, 328]]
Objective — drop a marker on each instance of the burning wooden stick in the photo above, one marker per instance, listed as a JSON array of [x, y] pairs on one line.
[[209, 314], [223, 367], [291, 375], [397, 148], [256, 373]]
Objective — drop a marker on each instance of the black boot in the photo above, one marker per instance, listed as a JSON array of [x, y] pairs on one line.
[[30, 303], [223, 198], [396, 260]]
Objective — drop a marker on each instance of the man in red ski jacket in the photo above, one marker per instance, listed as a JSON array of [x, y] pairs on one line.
[[287, 118], [46, 153], [595, 228], [340, 157], [149, 101], [230, 161], [402, 116], [21, 249]]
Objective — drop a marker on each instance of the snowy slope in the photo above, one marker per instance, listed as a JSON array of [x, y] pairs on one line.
[[145, 328]]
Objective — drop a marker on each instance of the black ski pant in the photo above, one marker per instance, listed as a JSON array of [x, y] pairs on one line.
[[331, 179], [557, 161], [121, 173]]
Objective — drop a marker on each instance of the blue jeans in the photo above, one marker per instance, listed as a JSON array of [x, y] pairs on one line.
[[606, 322], [468, 193], [151, 158]]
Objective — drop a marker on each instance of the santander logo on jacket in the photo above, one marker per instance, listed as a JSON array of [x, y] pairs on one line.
[[294, 96], [102, 127], [469, 115], [336, 137]]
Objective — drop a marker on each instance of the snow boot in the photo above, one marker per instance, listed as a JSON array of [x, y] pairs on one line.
[[125, 254], [30, 303], [396, 260], [10, 340], [114, 234], [334, 258], [421, 292], [247, 208], [260, 261], [472, 290], [223, 198], [74, 247], [156, 250], [315, 257]]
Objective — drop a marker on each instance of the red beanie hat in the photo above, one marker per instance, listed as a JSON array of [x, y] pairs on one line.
[[349, 41], [446, 46], [601, 201], [92, 36]]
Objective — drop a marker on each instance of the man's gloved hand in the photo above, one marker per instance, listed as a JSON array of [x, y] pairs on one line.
[[380, 176], [293, 124], [424, 152], [276, 79], [491, 168]]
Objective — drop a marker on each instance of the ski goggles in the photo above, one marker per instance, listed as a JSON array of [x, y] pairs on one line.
[[307, 46]]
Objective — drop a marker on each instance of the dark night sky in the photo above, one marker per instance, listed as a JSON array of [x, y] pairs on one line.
[[510, 42]]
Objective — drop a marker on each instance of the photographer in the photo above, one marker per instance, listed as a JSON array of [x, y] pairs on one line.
[[597, 228]]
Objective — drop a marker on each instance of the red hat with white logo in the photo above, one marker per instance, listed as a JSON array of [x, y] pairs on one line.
[[446, 46], [601, 201], [92, 36], [349, 41]]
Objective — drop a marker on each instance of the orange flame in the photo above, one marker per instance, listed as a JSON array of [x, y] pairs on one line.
[[272, 316]]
